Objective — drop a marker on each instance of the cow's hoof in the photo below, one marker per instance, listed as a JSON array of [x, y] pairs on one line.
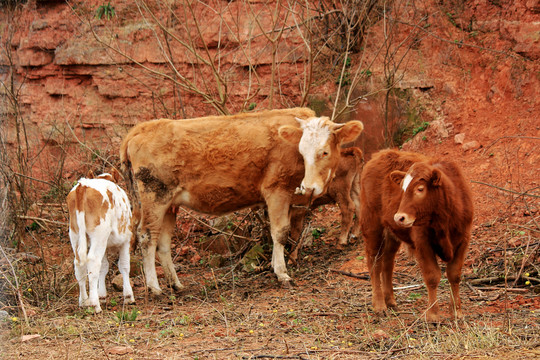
[[129, 299], [287, 284], [178, 287]]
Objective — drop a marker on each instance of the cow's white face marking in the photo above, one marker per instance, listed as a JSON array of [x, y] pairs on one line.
[[315, 137], [406, 181]]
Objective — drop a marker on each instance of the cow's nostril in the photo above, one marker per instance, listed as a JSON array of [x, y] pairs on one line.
[[401, 219]]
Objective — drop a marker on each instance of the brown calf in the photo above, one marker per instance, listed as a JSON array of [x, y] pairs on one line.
[[425, 203]]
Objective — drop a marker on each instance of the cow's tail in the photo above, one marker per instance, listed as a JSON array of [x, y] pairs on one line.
[[127, 171]]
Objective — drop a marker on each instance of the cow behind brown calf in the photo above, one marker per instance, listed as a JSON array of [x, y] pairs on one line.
[[344, 190], [425, 203]]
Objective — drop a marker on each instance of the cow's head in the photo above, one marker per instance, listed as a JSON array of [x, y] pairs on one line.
[[419, 186], [113, 176], [319, 142]]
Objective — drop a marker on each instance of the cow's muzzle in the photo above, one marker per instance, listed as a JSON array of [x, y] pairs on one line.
[[404, 220]]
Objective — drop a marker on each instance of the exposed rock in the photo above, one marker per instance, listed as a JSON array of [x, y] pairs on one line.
[[459, 138], [471, 145]]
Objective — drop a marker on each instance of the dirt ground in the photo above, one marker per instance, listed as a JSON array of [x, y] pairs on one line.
[[226, 312]]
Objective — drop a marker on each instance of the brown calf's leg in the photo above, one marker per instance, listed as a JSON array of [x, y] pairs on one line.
[[453, 273], [432, 276], [374, 248], [391, 246]]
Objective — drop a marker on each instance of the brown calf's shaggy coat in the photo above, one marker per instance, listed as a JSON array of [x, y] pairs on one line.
[[424, 202]]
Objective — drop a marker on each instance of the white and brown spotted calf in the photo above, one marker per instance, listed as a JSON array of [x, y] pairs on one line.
[[99, 220]]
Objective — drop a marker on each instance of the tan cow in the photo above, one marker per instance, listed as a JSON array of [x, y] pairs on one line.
[[99, 214], [220, 164], [344, 190]]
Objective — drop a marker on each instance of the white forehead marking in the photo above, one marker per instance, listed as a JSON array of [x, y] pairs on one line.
[[316, 135], [406, 181]]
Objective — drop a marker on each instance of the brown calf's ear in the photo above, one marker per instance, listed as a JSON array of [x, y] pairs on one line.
[[436, 177], [349, 131], [90, 174], [290, 134], [396, 176]]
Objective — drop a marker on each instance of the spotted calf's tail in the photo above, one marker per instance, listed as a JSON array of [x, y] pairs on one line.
[[82, 242]]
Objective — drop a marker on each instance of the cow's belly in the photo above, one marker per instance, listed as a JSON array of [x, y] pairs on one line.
[[215, 199]]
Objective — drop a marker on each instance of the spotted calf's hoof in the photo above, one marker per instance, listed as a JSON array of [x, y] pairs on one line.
[[129, 299]]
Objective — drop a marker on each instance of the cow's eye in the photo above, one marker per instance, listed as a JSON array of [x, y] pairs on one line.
[[324, 154], [420, 188]]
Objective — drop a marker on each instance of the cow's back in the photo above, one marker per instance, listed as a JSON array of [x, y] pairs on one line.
[[215, 164]]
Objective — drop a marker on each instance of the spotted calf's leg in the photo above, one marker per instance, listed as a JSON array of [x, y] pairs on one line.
[[123, 267], [164, 249], [80, 268], [95, 257], [102, 289]]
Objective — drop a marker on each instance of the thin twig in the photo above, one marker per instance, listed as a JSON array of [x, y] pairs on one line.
[[526, 193]]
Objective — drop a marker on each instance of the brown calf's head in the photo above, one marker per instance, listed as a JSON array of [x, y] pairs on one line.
[[418, 185], [319, 141]]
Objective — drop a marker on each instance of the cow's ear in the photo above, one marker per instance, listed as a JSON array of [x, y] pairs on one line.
[[349, 131], [436, 177], [290, 134], [115, 175], [396, 176], [90, 174]]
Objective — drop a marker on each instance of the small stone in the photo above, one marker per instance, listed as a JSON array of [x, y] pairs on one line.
[[459, 138], [118, 282], [471, 145]]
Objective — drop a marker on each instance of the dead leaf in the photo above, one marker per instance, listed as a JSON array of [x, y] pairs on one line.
[[120, 350], [29, 337]]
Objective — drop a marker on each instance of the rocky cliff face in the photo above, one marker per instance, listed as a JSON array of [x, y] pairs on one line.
[[82, 78]]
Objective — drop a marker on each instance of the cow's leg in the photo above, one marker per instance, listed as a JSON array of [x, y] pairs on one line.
[[374, 243], [346, 206], [102, 289], [431, 272], [355, 196], [148, 233], [453, 273], [80, 269], [278, 212], [297, 225], [164, 249], [123, 267], [391, 246]]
